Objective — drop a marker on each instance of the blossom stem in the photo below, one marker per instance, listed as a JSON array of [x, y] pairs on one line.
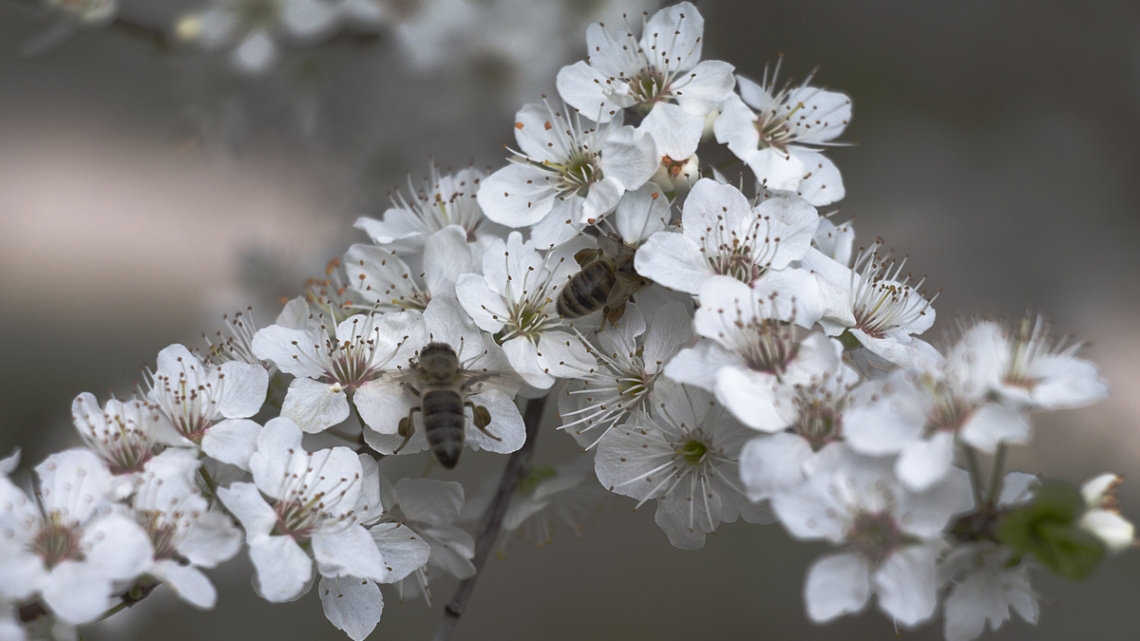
[[517, 467], [998, 472], [975, 475], [209, 481]]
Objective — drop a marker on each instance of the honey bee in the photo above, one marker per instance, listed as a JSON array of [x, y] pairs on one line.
[[440, 382], [606, 281]]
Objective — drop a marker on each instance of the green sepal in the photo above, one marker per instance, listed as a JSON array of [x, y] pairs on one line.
[[848, 341]]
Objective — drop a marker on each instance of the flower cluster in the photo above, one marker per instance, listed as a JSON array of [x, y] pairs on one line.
[[719, 349]]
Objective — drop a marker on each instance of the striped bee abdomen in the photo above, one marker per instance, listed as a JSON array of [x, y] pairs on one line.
[[444, 424], [587, 291]]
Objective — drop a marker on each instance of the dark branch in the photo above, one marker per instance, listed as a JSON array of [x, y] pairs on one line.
[[518, 466]]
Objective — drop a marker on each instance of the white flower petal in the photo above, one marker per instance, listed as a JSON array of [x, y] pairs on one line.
[[403, 550], [1065, 383], [77, 592], [926, 513], [584, 87], [314, 405], [523, 356], [232, 441], [119, 547], [821, 183], [836, 584], [352, 605], [349, 551], [992, 424], [907, 584], [705, 87], [674, 34], [924, 462], [562, 354], [698, 365], [244, 391], [284, 571], [676, 132], [255, 53], [602, 199], [446, 256], [630, 156], [516, 196], [770, 463], [506, 425], [671, 328], [640, 214], [674, 261], [74, 483], [750, 396], [294, 351], [213, 539], [484, 306], [245, 502], [187, 582], [382, 404]]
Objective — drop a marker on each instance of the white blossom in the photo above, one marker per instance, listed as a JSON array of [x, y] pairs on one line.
[[723, 234], [921, 415], [384, 280], [875, 303], [329, 369], [660, 75], [210, 405], [892, 536], [986, 593], [252, 31], [781, 140], [549, 497], [125, 434], [1028, 368], [750, 351], [421, 517], [301, 503], [814, 411], [185, 533], [630, 359], [70, 545], [514, 300], [985, 588], [1102, 517], [566, 174], [442, 201], [684, 455]]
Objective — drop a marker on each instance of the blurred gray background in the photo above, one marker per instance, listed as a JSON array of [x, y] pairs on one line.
[[141, 197]]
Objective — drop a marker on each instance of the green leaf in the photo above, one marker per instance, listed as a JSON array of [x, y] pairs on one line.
[[1047, 529]]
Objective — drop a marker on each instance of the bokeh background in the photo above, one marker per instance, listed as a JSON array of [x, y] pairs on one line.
[[145, 193]]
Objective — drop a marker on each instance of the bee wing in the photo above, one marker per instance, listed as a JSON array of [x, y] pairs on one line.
[[503, 382]]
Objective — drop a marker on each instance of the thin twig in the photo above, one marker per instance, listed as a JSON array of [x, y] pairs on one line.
[[517, 467]]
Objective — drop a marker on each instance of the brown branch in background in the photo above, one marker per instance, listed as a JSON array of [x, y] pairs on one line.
[[518, 466]]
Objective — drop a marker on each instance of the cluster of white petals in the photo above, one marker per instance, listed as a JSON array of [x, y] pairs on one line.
[[720, 350]]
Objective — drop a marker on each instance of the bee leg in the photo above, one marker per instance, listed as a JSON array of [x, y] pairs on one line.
[[584, 256], [406, 428], [482, 418], [614, 314]]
